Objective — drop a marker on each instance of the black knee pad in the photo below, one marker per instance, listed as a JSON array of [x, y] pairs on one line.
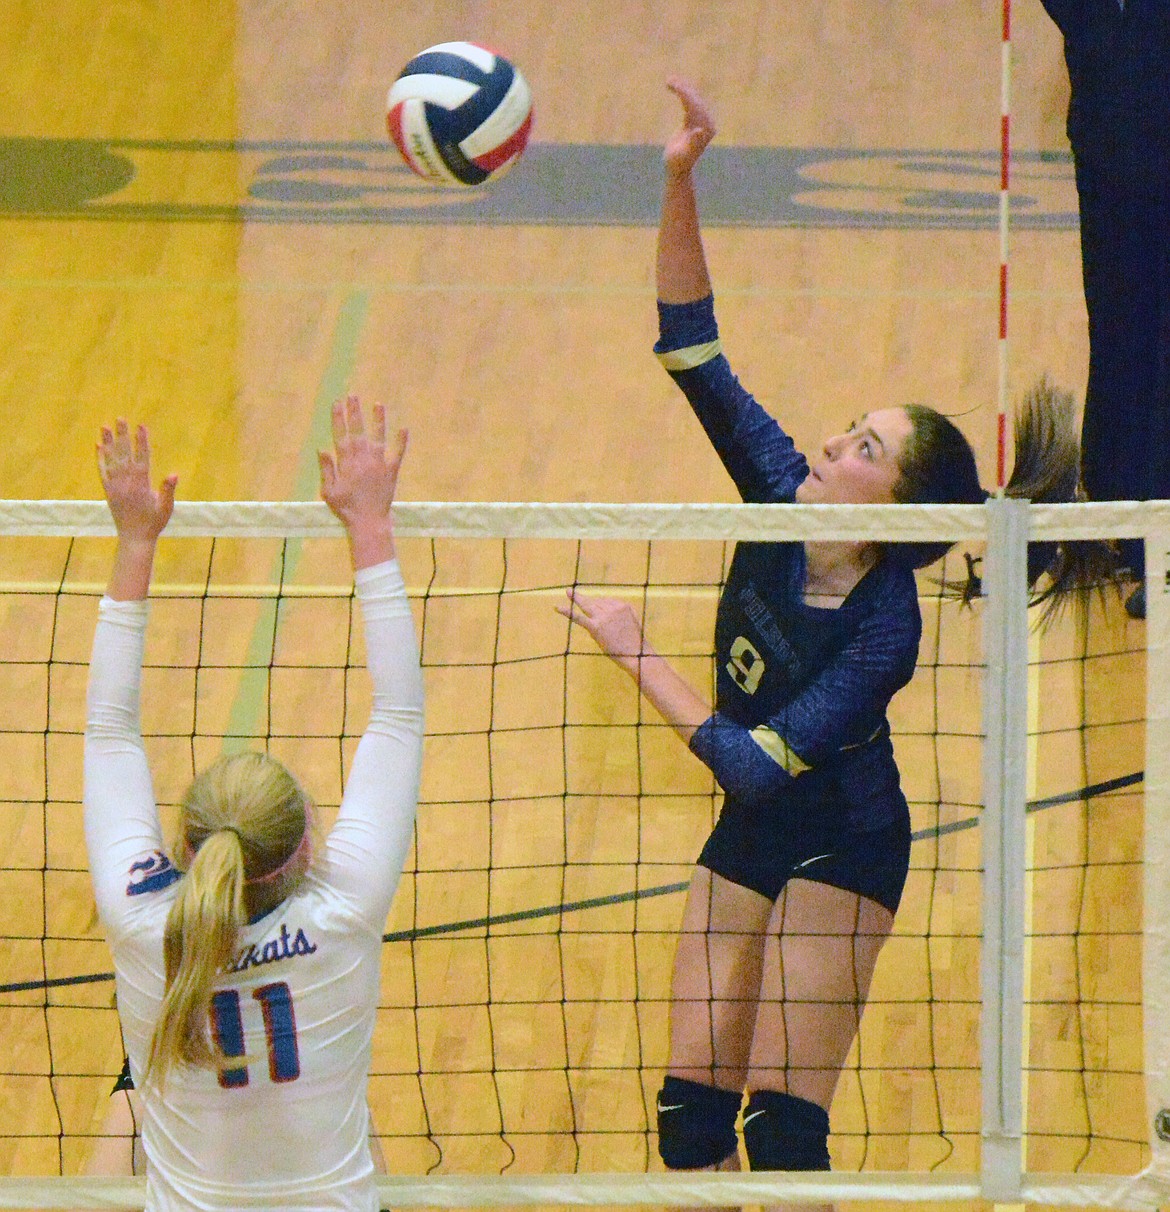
[[782, 1132], [696, 1124]]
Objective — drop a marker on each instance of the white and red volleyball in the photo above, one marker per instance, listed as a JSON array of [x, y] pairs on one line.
[[459, 114]]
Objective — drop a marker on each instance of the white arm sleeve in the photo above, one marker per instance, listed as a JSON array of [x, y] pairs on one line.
[[121, 818], [369, 842]]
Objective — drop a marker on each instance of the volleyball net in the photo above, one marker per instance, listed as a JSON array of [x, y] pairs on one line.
[[1015, 1046]]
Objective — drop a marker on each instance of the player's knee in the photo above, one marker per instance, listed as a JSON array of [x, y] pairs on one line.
[[696, 1124], [782, 1132]]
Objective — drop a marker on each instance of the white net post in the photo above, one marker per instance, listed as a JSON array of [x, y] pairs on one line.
[[1005, 762]]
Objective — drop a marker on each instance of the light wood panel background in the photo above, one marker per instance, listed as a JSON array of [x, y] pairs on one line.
[[519, 357]]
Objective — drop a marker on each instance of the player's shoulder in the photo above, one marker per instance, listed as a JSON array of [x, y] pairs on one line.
[[152, 872], [892, 601]]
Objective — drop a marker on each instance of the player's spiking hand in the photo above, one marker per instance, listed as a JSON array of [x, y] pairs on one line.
[[688, 143]]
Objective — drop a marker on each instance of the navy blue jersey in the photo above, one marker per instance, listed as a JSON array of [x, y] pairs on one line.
[[801, 691]]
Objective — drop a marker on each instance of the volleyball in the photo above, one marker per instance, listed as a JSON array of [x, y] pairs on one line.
[[459, 114]]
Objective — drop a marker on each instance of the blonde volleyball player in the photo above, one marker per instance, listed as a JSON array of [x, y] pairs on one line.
[[248, 967], [796, 889]]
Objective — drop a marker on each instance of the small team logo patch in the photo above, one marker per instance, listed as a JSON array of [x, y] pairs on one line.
[[151, 874]]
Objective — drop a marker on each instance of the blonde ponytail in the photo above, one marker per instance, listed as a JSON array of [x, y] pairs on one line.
[[245, 832], [201, 938]]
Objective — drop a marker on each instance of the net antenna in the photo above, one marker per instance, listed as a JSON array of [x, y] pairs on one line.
[[1005, 161]]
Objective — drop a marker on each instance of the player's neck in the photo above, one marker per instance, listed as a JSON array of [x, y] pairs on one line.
[[832, 569]]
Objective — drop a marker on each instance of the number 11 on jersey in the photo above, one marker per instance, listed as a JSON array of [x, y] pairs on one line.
[[280, 1033]]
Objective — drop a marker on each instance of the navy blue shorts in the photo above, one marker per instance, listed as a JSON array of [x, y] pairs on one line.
[[763, 850]]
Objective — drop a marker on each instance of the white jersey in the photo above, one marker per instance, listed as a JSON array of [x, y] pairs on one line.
[[289, 1126]]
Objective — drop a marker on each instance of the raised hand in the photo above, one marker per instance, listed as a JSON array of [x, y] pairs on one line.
[[359, 479], [140, 511], [681, 268], [688, 143]]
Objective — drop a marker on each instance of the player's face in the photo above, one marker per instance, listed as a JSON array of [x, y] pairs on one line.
[[862, 465]]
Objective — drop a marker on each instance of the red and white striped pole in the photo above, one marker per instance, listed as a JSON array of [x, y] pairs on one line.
[[1005, 154]]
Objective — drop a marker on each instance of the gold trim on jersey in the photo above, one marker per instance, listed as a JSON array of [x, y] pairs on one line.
[[692, 356], [778, 749]]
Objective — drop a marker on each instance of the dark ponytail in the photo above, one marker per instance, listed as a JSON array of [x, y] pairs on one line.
[[938, 467], [1047, 470]]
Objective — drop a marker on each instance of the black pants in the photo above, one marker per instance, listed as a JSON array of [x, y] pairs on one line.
[[1118, 58]]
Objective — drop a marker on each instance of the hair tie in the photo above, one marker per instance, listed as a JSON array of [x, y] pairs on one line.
[[192, 851], [302, 846], [305, 845]]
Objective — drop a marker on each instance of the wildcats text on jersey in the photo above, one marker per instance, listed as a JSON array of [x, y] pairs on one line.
[[283, 946]]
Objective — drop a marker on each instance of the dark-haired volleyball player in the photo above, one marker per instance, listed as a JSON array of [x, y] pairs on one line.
[[796, 889], [248, 967]]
